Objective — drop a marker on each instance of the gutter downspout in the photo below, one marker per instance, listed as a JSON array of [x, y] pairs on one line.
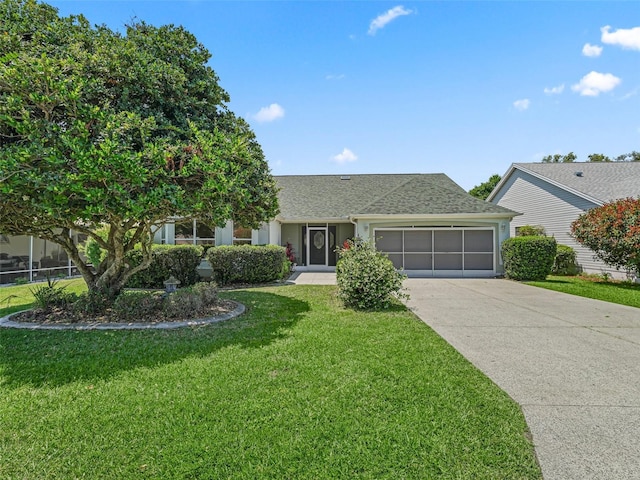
[[355, 225]]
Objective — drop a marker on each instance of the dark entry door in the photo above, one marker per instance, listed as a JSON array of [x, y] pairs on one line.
[[317, 246]]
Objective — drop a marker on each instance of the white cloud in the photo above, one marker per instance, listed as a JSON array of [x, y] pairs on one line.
[[381, 20], [270, 113], [554, 90], [345, 157], [522, 104], [335, 77], [594, 83], [591, 50], [625, 38]]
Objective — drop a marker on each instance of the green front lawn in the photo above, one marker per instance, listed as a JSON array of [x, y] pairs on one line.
[[298, 387], [624, 293]]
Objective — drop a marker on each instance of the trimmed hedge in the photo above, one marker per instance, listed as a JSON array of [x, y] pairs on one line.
[[566, 262], [247, 263], [180, 261], [528, 258]]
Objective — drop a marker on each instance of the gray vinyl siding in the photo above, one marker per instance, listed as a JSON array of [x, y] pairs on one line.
[[544, 204]]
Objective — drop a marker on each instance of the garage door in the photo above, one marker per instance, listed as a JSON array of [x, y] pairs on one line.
[[439, 251]]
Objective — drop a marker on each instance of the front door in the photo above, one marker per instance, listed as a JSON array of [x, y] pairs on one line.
[[317, 242]]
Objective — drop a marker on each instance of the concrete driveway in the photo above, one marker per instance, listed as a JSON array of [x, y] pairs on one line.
[[573, 364]]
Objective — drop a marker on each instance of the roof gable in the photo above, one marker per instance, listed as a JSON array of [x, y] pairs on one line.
[[335, 196], [600, 182]]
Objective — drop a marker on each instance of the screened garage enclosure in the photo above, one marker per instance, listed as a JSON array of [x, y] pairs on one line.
[[440, 251]]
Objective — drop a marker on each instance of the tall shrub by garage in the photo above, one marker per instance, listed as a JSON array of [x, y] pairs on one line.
[[180, 261], [247, 263], [528, 258], [366, 278]]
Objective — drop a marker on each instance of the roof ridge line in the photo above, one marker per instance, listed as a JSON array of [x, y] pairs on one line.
[[388, 192]]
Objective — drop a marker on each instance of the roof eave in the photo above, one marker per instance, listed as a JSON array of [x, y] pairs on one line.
[[437, 216]]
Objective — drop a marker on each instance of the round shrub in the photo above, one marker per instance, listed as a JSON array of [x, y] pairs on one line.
[[528, 258], [366, 278], [565, 262]]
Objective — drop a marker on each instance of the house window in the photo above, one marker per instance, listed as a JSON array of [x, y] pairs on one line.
[[185, 232], [192, 232], [205, 235], [241, 235]]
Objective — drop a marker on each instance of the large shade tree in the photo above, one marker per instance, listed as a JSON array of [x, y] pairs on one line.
[[118, 130]]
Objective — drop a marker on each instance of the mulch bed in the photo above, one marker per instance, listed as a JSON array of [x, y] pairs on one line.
[[59, 316]]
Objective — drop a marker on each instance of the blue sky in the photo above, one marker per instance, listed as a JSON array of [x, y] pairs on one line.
[[463, 88]]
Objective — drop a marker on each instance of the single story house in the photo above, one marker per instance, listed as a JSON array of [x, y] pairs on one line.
[[553, 195], [426, 223]]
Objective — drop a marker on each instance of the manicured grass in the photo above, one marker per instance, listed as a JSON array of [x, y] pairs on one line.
[[19, 297], [297, 387], [624, 293]]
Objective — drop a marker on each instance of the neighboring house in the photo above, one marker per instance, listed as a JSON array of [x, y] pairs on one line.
[[553, 195], [426, 223]]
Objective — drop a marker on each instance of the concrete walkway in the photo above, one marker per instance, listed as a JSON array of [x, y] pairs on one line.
[[573, 364]]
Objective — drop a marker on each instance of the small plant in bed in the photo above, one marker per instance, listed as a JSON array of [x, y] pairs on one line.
[[54, 305]]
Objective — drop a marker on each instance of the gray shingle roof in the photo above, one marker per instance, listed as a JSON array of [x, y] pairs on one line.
[[604, 181], [329, 196]]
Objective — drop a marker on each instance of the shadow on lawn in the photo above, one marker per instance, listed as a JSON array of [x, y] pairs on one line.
[[53, 358]]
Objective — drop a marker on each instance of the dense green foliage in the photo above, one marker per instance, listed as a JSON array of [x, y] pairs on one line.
[[52, 295], [528, 258], [297, 388], [483, 190], [530, 231], [118, 130], [247, 263], [612, 231], [180, 261], [136, 305], [566, 262], [624, 293], [366, 277]]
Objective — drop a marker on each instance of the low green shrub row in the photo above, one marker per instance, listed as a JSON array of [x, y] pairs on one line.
[[247, 263], [131, 306], [180, 261], [528, 258]]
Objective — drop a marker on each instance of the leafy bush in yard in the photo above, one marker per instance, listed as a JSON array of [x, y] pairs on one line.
[[194, 299], [180, 261], [528, 258], [530, 231], [247, 263], [52, 295], [612, 231], [366, 278], [131, 306], [565, 262]]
